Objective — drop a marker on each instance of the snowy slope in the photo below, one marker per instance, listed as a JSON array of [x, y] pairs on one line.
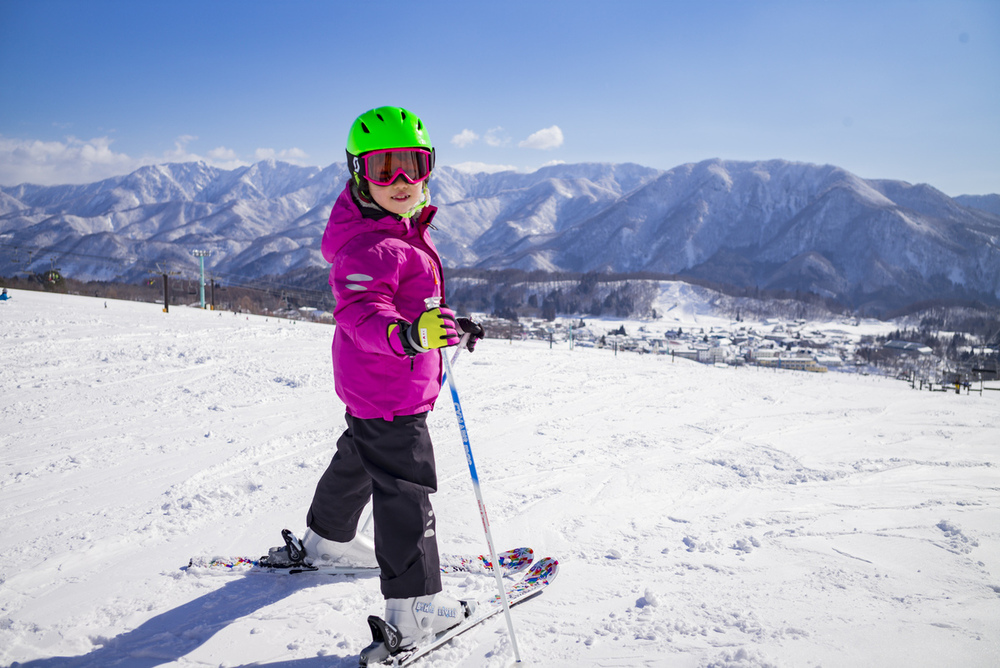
[[702, 516]]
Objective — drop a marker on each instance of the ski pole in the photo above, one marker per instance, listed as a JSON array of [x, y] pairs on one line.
[[431, 303], [461, 344], [454, 358], [482, 505]]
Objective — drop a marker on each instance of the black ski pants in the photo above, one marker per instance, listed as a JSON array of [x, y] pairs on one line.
[[393, 464]]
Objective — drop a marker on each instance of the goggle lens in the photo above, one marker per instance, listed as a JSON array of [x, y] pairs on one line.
[[384, 167]]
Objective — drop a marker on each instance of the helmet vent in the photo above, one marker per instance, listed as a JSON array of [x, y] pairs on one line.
[[379, 116], [365, 128]]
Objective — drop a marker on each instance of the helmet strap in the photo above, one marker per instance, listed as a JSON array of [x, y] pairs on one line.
[[361, 187]]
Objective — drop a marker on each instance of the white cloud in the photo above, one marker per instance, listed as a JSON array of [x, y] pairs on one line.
[[223, 158], [464, 138], [494, 137], [54, 162], [544, 139], [482, 167], [74, 161], [180, 152], [296, 156], [222, 154]]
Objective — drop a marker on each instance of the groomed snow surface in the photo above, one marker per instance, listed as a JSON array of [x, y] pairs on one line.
[[702, 516]]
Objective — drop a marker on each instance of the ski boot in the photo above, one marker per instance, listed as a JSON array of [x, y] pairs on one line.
[[409, 622], [314, 550], [358, 552]]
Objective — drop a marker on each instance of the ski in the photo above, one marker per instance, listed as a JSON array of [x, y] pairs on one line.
[[511, 563], [384, 648]]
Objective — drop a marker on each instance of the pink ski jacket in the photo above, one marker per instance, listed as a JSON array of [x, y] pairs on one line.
[[382, 272]]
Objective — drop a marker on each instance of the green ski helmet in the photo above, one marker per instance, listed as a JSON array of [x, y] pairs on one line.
[[383, 128]]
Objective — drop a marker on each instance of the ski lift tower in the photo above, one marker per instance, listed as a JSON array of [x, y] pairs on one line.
[[201, 255]]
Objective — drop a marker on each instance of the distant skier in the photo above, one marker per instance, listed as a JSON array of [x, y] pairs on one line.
[[387, 370], [4, 296]]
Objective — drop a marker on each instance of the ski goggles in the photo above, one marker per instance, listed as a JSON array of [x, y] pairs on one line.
[[385, 166]]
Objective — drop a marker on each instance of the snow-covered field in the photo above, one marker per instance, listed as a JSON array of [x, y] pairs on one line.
[[702, 516]]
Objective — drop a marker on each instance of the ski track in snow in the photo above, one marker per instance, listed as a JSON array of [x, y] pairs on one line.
[[703, 517]]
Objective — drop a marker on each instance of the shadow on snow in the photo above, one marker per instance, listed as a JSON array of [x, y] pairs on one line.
[[173, 634]]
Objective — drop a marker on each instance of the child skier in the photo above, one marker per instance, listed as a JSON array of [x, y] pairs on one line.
[[387, 370]]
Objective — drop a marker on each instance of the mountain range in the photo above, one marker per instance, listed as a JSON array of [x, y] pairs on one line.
[[768, 224]]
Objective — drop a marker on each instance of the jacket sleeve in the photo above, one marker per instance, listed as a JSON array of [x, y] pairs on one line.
[[365, 278]]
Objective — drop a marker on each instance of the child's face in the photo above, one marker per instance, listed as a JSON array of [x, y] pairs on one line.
[[398, 198]]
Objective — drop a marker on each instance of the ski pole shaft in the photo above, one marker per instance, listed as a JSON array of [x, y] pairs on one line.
[[461, 344], [432, 302], [454, 358], [482, 504]]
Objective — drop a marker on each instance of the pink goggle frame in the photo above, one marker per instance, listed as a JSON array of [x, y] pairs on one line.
[[383, 167]]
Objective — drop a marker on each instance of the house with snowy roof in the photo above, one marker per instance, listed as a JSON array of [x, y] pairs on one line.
[[897, 345]]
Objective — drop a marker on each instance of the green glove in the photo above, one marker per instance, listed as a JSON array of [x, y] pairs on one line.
[[435, 328]]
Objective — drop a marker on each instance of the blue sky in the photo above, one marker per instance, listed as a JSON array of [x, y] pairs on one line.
[[895, 89]]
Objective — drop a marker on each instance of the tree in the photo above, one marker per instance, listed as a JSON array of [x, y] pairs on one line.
[[53, 281]]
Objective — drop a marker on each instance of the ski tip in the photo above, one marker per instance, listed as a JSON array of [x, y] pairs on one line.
[[543, 571], [517, 554], [513, 561]]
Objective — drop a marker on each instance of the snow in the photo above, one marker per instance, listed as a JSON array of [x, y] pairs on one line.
[[702, 516]]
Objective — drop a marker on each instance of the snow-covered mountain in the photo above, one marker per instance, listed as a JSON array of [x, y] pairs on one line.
[[989, 203], [257, 220], [773, 224], [788, 225]]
